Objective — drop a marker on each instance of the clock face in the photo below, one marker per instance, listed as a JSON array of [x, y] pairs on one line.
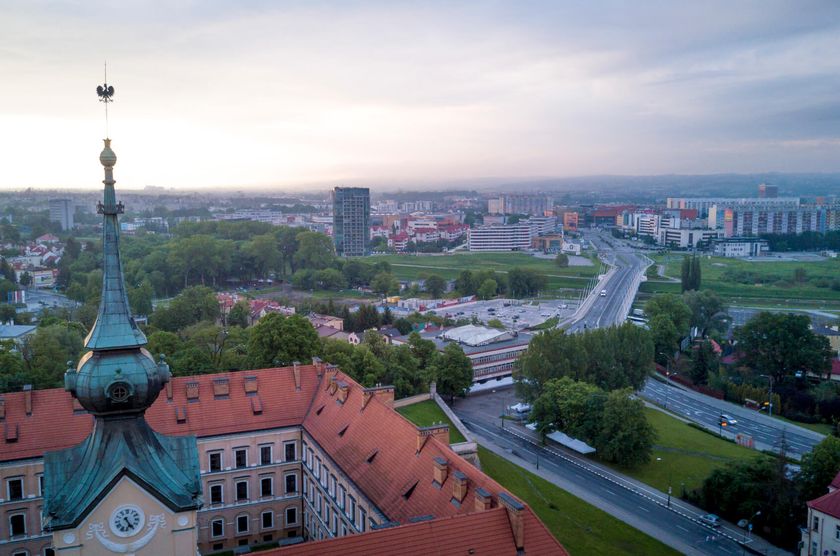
[[127, 520]]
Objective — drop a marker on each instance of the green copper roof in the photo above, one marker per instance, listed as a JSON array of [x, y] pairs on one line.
[[77, 478], [114, 327]]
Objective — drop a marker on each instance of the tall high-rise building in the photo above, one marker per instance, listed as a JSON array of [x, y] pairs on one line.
[[768, 191], [351, 221], [61, 211]]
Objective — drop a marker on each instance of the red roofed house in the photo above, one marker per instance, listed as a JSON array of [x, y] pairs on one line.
[[821, 535]]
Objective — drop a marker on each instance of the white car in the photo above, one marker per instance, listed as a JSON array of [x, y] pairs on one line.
[[603, 293], [728, 419]]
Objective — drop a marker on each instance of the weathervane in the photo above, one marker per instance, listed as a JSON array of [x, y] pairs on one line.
[[106, 95]]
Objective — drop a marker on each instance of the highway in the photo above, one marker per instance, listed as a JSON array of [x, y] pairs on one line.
[[705, 410], [639, 505]]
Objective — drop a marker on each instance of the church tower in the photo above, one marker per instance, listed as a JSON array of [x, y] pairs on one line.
[[125, 489]]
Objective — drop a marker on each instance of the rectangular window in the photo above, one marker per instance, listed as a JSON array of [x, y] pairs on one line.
[[318, 505], [267, 520], [837, 532], [291, 483], [324, 475], [291, 516], [332, 486], [14, 488], [266, 456], [17, 525], [217, 528], [352, 510], [216, 494], [342, 499], [240, 457], [242, 524], [343, 529], [816, 524], [40, 485], [290, 450], [318, 467], [362, 520], [266, 486], [241, 490], [305, 483], [215, 461]]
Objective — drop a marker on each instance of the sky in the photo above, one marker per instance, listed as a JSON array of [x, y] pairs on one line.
[[283, 94]]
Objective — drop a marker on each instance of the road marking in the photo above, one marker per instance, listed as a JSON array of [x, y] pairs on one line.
[[608, 490], [683, 528], [644, 509]]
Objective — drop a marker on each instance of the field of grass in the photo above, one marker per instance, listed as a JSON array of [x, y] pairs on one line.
[[414, 267], [428, 413], [582, 528], [686, 455], [765, 283]]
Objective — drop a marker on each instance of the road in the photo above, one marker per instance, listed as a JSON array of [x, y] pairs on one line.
[[705, 410], [621, 286], [638, 505]]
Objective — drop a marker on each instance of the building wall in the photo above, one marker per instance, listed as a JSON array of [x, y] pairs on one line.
[[29, 506], [821, 536], [499, 238], [351, 221]]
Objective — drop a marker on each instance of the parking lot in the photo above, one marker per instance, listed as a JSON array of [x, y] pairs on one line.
[[513, 313]]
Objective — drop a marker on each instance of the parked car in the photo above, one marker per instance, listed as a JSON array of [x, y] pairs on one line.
[[710, 519]]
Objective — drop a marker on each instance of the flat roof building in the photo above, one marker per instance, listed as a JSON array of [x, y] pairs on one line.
[[351, 221]]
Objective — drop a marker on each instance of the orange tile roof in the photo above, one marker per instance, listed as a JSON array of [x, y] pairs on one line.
[[827, 504], [53, 424]]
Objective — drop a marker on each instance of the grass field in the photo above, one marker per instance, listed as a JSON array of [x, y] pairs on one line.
[[582, 528], [686, 455], [428, 413], [414, 267], [765, 283]]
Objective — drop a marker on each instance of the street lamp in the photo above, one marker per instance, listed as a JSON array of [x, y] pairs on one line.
[[667, 376], [748, 528], [669, 481]]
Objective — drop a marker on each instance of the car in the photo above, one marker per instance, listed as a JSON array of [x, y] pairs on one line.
[[603, 293], [728, 419], [710, 519]]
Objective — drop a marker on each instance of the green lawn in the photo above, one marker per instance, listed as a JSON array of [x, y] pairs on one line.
[[767, 282], [582, 528], [428, 413], [822, 428], [687, 455], [414, 267]]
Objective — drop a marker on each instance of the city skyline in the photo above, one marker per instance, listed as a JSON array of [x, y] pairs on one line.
[[377, 94]]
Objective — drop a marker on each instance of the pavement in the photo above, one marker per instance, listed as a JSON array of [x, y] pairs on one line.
[[668, 519], [706, 411]]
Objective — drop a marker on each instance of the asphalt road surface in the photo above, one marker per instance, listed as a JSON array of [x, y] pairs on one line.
[[706, 411], [639, 505]]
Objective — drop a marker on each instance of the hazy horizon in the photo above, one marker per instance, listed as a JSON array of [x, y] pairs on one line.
[[303, 95]]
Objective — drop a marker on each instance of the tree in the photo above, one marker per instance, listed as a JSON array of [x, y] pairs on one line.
[[819, 467], [626, 437], [466, 284], [194, 304], [782, 343], [703, 362], [487, 289], [264, 254], [708, 312], [239, 314], [453, 372], [425, 351], [47, 352], [403, 325], [671, 306], [525, 282], [384, 283], [315, 250], [569, 406], [279, 340], [140, 298], [7, 312], [690, 273], [330, 279], [562, 260], [25, 279], [496, 323], [435, 286], [665, 336]]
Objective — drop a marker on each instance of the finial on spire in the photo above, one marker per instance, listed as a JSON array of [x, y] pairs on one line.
[[106, 95]]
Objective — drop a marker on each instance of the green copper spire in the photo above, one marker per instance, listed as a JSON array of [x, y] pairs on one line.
[[114, 328]]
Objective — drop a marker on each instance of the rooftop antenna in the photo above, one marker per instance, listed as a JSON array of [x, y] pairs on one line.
[[106, 95]]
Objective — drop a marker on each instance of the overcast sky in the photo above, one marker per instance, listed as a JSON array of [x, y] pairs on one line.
[[387, 93]]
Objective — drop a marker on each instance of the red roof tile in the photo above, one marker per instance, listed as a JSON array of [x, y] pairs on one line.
[[827, 504], [836, 482]]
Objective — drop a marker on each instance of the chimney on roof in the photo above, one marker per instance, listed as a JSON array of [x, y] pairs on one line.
[[221, 387], [192, 390], [459, 486], [168, 390], [251, 385], [515, 509], [343, 390], [483, 500], [332, 385], [441, 431], [441, 470], [27, 398], [318, 364], [384, 393], [296, 372]]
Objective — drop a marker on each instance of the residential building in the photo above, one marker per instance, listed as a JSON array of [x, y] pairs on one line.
[[513, 237], [570, 221], [351, 221], [62, 211], [535, 205], [821, 534]]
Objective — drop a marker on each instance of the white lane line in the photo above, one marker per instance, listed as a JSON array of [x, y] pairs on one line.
[[644, 509], [683, 528], [608, 490]]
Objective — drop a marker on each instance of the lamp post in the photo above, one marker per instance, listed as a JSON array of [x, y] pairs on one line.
[[669, 481], [667, 376]]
